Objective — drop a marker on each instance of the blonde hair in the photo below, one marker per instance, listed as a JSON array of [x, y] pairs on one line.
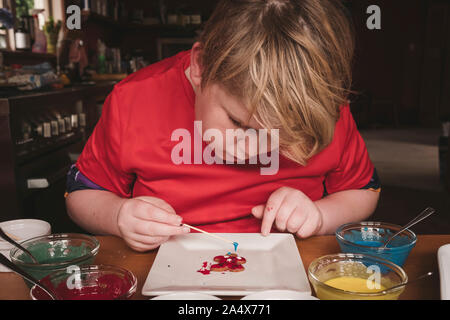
[[290, 62]]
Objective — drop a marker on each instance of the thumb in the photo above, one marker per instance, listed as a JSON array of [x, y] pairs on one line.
[[258, 211]]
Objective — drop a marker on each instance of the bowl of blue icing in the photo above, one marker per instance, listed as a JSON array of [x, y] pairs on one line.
[[369, 238]]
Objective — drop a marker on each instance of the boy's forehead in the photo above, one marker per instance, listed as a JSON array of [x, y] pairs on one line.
[[231, 103]]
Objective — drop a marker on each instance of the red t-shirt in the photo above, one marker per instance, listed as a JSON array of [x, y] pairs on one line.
[[129, 153]]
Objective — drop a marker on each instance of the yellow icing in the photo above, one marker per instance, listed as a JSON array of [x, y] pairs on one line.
[[354, 284]]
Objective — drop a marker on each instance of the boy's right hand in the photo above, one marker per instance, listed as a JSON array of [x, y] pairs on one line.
[[146, 222]]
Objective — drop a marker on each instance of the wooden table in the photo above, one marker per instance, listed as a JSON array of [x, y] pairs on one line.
[[423, 258]]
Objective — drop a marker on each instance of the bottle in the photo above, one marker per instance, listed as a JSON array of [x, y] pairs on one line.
[[3, 38], [29, 27], [22, 37], [86, 5], [101, 58], [40, 43]]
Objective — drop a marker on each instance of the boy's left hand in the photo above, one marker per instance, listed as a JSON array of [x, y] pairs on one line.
[[291, 210]]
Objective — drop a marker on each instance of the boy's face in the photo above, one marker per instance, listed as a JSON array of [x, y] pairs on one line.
[[219, 110]]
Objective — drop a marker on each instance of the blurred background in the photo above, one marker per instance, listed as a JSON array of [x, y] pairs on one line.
[[53, 82]]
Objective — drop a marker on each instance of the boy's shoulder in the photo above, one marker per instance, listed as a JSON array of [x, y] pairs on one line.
[[345, 113], [164, 70], [346, 128], [345, 121]]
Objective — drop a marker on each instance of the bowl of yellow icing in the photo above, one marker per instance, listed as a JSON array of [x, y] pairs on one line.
[[347, 276]]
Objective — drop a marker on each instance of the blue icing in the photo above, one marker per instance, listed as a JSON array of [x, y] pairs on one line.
[[376, 239], [235, 244], [373, 239]]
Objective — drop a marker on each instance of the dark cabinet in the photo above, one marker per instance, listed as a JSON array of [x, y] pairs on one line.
[[41, 135]]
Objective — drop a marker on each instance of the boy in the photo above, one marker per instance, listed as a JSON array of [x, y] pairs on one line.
[[279, 65]]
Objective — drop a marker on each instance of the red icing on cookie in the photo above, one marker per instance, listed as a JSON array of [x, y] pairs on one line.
[[220, 259], [229, 262]]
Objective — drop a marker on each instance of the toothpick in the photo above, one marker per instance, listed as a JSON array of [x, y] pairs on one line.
[[211, 235]]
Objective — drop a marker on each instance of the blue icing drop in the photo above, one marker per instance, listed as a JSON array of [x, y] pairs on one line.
[[235, 244]]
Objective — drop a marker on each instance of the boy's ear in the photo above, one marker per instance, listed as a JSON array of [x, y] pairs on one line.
[[196, 68]]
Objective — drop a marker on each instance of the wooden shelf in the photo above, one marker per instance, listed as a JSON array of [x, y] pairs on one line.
[[47, 96], [26, 57], [109, 77], [28, 54]]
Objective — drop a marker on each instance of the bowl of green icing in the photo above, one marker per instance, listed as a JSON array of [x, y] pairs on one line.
[[55, 252]]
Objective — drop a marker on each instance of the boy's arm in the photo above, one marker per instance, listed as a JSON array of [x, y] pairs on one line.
[[143, 222], [344, 207], [95, 210]]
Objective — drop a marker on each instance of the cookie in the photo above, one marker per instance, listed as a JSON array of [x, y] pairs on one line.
[[219, 267], [236, 268], [228, 262]]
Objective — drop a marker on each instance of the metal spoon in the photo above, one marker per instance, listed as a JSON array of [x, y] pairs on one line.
[[15, 244], [426, 275], [424, 214], [4, 261]]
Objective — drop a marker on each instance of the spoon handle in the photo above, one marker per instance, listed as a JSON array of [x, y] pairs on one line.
[[424, 214], [426, 275], [4, 261], [14, 243]]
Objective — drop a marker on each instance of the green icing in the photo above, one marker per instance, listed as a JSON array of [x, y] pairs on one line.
[[53, 253]]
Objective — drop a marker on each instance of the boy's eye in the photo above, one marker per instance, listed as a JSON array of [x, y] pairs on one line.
[[238, 124], [235, 122]]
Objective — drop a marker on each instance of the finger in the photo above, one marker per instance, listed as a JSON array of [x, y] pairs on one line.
[[140, 247], [156, 214], [270, 212], [286, 210], [308, 228], [160, 203], [155, 229], [295, 221], [258, 211], [147, 240]]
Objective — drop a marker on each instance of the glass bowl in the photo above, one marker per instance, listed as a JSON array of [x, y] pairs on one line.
[[91, 282], [55, 252], [20, 230], [368, 237], [362, 277]]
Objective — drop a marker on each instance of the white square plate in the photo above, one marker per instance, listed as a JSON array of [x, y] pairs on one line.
[[444, 271], [273, 263]]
